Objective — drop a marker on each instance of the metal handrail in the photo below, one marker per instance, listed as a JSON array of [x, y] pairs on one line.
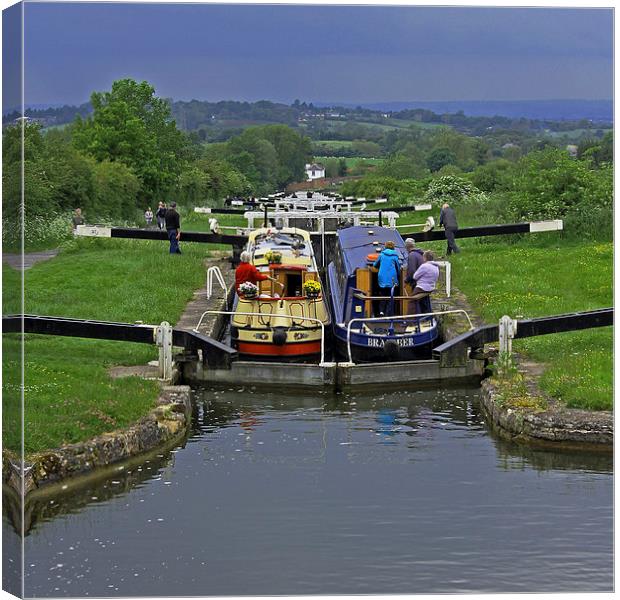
[[367, 298], [399, 318], [257, 314], [217, 272]]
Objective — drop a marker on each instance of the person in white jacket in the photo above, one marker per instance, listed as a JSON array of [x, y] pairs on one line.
[[426, 280]]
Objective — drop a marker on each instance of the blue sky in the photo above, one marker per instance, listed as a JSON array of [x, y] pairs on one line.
[[318, 53]]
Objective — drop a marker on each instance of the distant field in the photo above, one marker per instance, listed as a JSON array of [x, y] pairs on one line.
[[353, 161], [50, 127], [332, 143], [408, 122], [389, 124], [574, 133]]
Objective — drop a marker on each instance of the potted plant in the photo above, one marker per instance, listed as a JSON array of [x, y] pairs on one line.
[[312, 288], [273, 257], [248, 290]]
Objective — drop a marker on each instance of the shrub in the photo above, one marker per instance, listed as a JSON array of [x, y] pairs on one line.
[[454, 190], [39, 232]]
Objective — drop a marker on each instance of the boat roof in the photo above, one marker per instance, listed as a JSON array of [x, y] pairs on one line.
[[293, 244], [360, 241]]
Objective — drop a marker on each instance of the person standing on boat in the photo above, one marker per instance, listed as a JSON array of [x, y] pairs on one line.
[[173, 227], [425, 281], [414, 260], [447, 218], [246, 271], [388, 264]]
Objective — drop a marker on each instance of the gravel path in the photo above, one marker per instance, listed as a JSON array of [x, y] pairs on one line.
[[30, 258]]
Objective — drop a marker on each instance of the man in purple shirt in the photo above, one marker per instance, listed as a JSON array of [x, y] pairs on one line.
[[425, 280]]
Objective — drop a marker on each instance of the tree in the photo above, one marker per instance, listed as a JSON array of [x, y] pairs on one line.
[[550, 184], [117, 189], [403, 166], [366, 148], [440, 157], [493, 176], [38, 192], [131, 125]]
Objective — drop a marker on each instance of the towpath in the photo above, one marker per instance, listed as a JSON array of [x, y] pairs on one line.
[[201, 302], [30, 258]]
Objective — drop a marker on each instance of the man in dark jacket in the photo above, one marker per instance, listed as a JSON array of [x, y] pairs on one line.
[[447, 218], [173, 227], [414, 260], [161, 215]]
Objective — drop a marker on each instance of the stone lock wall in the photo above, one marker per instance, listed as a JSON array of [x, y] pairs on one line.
[[168, 420]]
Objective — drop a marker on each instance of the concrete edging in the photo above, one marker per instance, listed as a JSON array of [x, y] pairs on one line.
[[169, 420], [556, 425]]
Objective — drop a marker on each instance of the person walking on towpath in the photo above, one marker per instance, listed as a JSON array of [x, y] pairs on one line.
[[173, 227], [447, 218], [388, 264], [161, 215], [77, 219], [414, 260], [426, 280], [148, 216]]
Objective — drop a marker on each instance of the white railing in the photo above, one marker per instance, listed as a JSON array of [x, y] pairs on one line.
[[278, 316], [448, 266], [215, 272], [399, 318]]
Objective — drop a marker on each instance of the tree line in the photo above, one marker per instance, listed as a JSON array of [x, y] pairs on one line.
[[546, 183], [129, 153], [218, 121]]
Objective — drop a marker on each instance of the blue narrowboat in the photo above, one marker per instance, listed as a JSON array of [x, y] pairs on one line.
[[361, 332]]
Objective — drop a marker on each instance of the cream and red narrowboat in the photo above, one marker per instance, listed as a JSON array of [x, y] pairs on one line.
[[281, 319]]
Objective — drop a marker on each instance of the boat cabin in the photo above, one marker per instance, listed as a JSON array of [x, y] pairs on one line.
[[359, 247], [286, 255]]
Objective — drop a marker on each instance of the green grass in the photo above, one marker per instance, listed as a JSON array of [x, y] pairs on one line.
[[69, 395], [572, 134], [538, 277], [331, 144], [405, 123], [352, 162]]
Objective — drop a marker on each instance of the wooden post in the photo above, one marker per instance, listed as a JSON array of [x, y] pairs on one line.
[[507, 330], [164, 342]]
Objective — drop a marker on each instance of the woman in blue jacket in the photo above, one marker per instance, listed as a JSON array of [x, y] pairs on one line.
[[388, 264]]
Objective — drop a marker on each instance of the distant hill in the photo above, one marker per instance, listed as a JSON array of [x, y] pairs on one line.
[[553, 110]]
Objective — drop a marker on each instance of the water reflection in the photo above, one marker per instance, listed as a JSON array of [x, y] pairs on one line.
[[279, 493]]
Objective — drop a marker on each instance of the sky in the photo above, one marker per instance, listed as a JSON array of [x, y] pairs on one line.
[[318, 53]]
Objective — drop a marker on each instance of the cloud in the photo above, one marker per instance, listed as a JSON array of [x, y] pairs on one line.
[[347, 53]]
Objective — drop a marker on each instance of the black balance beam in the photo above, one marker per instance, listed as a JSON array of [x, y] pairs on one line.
[[214, 353], [477, 338]]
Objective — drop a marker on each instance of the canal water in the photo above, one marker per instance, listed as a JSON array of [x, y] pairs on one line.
[[281, 493]]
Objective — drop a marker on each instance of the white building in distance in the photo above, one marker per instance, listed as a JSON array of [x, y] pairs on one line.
[[315, 171]]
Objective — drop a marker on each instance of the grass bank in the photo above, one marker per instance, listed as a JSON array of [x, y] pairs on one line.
[[69, 396], [533, 278], [538, 275]]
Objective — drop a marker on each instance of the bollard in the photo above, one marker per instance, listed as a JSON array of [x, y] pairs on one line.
[[507, 330], [164, 343]]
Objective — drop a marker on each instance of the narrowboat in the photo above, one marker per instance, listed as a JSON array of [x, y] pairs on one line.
[[354, 294], [288, 310]]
